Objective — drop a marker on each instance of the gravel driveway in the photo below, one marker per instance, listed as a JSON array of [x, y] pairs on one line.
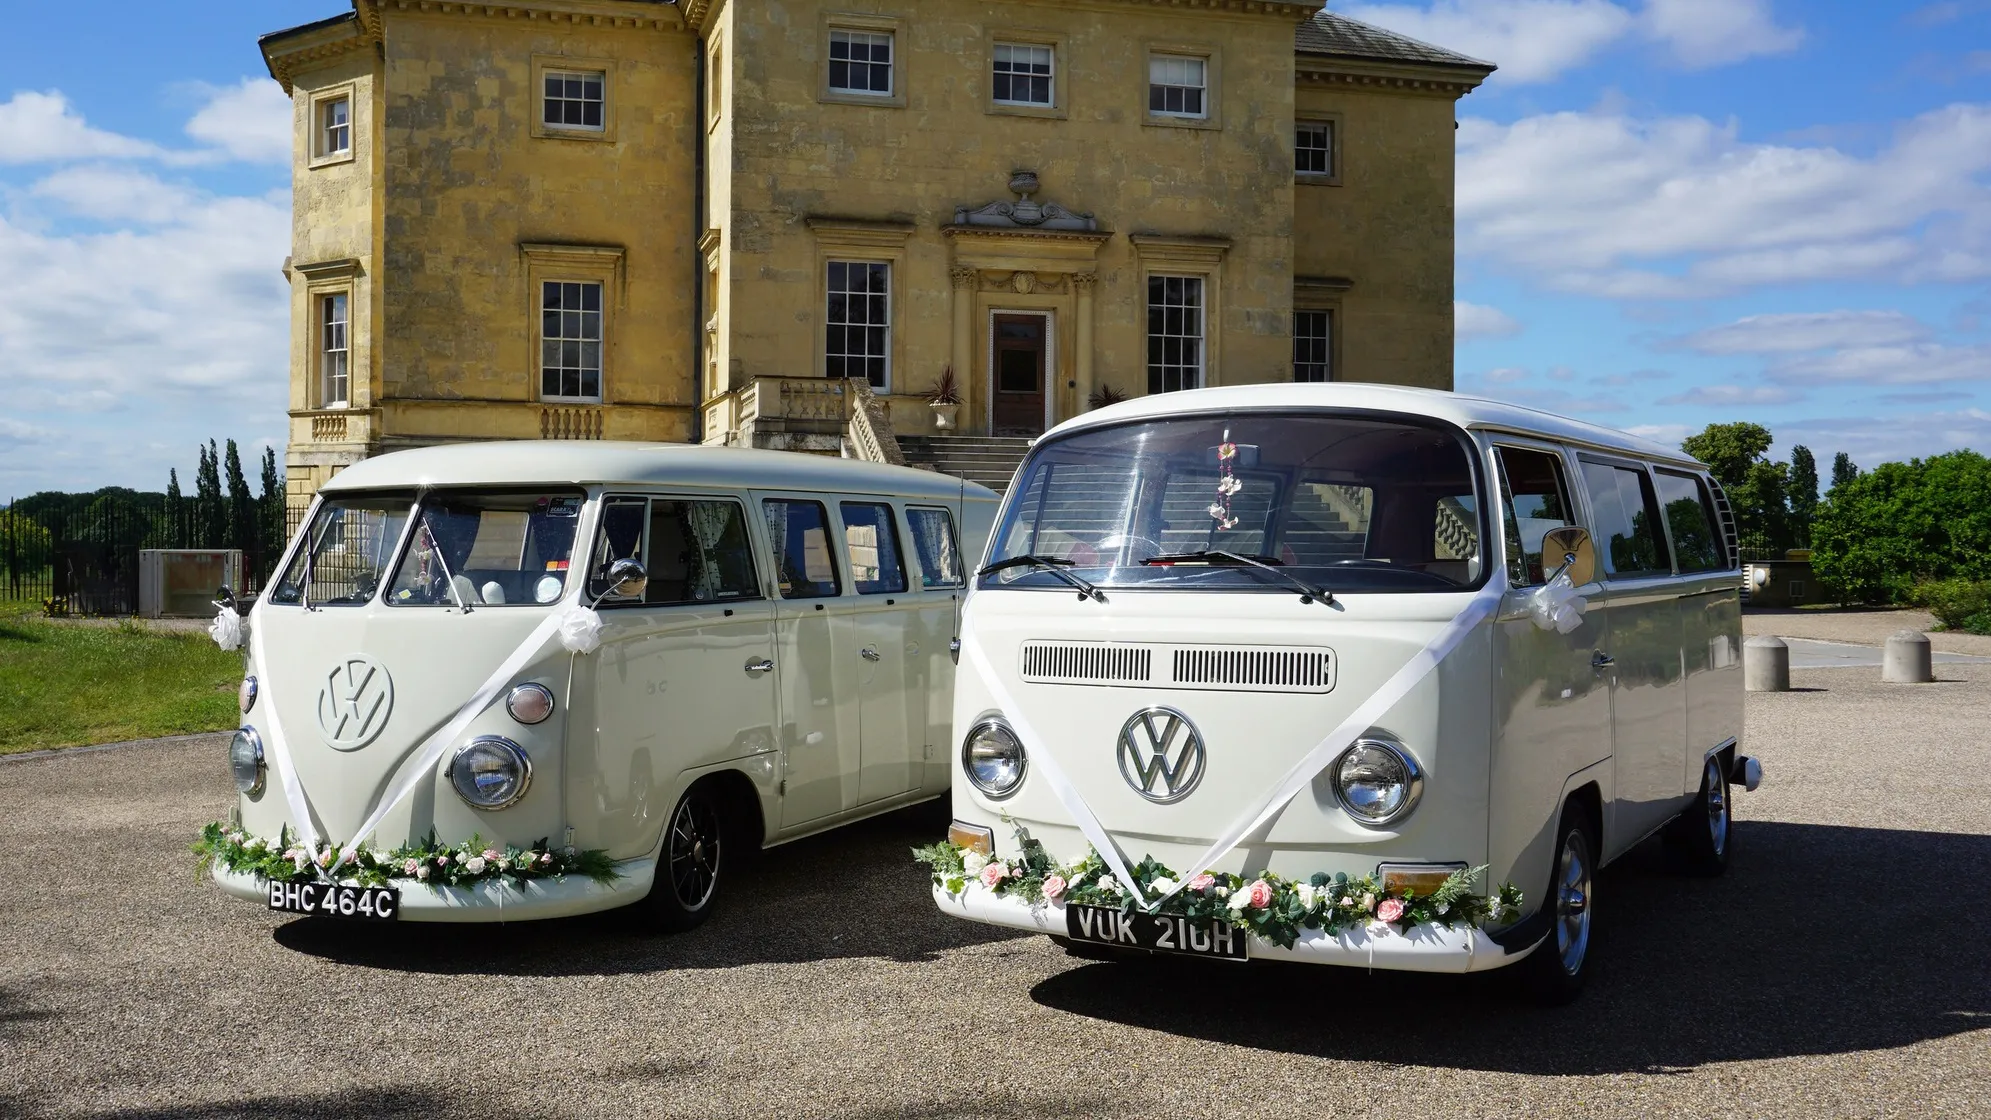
[[1841, 968]]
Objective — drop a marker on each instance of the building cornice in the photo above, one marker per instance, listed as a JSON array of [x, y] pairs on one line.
[[287, 52], [1451, 82], [1098, 237], [629, 14], [697, 12]]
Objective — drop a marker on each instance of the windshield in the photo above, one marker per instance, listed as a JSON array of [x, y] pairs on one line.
[[347, 548], [1344, 502], [483, 549]]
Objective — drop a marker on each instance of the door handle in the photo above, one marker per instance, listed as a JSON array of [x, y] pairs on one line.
[[869, 654], [1600, 661], [756, 668]]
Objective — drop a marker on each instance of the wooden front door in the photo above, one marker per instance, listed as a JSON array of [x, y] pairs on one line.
[[1019, 375]]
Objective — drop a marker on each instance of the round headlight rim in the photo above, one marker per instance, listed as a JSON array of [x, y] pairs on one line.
[[247, 692], [261, 781], [994, 722], [1413, 781], [529, 687], [522, 759]]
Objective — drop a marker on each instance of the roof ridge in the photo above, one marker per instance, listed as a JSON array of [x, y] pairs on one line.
[[1331, 33]]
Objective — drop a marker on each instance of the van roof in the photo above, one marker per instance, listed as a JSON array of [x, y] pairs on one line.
[[1468, 412], [540, 462]]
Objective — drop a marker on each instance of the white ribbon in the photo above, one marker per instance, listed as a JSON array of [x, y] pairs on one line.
[[226, 629], [1556, 606], [275, 749]]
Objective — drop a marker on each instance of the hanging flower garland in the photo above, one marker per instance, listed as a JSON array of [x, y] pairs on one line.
[[430, 862], [1227, 484], [1271, 907]]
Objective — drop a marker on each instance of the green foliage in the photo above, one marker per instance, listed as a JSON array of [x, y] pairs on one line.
[[1884, 531], [1844, 470], [1803, 493], [1729, 450], [65, 684], [288, 860], [1959, 604]]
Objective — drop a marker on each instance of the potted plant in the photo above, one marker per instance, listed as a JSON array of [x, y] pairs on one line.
[[1103, 396], [946, 401]]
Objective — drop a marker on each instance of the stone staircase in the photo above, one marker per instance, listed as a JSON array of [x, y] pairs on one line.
[[988, 460]]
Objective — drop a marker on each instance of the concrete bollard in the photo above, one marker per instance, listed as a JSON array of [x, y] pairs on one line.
[[1907, 659], [1766, 665]]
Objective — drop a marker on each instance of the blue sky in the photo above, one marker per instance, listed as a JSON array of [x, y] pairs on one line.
[[1671, 212]]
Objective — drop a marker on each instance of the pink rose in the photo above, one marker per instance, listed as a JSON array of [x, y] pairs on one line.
[[1202, 882], [1054, 887], [410, 867], [442, 861], [1258, 895], [994, 873], [490, 855], [1390, 910], [546, 859]]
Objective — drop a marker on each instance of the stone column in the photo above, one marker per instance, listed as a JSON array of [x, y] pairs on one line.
[[964, 348], [1083, 284]]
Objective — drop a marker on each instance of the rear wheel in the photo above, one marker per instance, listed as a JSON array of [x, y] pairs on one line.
[[1704, 832], [691, 865], [1554, 973]]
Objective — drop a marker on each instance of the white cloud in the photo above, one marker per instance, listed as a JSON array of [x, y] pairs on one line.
[[1669, 434], [1872, 440], [250, 120], [14, 433], [1504, 375], [1704, 33], [1473, 320], [1540, 40], [1926, 363], [114, 194], [1606, 204], [1807, 331], [44, 127], [1711, 396]]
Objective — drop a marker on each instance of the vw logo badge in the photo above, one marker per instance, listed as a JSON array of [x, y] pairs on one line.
[[353, 705], [1160, 746]]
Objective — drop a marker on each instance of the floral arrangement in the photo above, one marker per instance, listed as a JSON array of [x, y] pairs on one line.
[[1268, 906], [1227, 484], [289, 860]]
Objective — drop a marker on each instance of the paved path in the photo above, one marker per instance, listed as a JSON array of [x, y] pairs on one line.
[[1809, 653], [1840, 969]]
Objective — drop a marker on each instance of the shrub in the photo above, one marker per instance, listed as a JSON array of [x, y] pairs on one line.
[[1959, 604], [1878, 535]]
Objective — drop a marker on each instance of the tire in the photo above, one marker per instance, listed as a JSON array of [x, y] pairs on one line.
[[691, 864], [1704, 833], [1554, 974]]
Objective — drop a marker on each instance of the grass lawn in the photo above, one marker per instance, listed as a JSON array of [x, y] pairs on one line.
[[63, 685]]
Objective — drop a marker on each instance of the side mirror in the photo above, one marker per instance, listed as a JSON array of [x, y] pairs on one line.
[[628, 579], [1572, 550]]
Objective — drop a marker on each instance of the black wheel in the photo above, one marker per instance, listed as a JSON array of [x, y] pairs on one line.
[[1704, 832], [691, 866], [1554, 973]]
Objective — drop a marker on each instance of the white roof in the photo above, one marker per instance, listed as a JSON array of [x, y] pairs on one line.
[[583, 462], [1464, 411]]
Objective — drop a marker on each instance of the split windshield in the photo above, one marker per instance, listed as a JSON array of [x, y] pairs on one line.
[[473, 548], [1344, 502]]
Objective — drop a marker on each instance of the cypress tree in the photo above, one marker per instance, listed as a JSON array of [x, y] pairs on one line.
[[241, 515], [176, 510], [269, 522], [210, 513], [1844, 470], [1803, 494]]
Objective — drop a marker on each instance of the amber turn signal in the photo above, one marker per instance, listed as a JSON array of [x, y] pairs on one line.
[[972, 837], [1416, 878]]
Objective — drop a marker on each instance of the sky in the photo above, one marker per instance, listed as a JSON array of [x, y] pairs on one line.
[[1670, 213]]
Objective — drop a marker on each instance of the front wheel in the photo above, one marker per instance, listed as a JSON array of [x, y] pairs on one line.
[[690, 866], [1703, 834], [1554, 973]]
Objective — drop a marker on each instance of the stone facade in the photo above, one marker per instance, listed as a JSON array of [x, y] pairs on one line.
[[724, 175]]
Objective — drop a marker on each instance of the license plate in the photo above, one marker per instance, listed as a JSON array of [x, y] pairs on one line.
[[337, 900], [1157, 933]]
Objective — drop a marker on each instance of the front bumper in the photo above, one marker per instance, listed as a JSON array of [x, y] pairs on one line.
[[1424, 949], [495, 900]]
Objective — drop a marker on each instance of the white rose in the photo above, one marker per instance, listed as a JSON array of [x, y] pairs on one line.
[[1443, 907], [1306, 893], [422, 872], [972, 862], [1162, 885], [1223, 892], [1368, 902], [1239, 901], [474, 865], [1110, 886]]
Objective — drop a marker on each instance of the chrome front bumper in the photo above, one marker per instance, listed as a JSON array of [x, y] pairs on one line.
[[492, 900]]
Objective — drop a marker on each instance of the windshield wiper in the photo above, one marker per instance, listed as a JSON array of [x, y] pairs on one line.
[[1055, 565], [1308, 592]]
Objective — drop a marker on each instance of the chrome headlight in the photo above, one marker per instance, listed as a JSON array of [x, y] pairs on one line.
[[490, 772], [993, 758], [1377, 781], [245, 759], [530, 703], [245, 695]]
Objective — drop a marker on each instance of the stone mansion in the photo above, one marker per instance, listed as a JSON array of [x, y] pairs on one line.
[[779, 223]]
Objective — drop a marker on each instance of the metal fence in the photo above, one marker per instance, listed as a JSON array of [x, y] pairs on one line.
[[84, 561]]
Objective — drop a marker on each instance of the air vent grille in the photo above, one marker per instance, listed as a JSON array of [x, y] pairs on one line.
[[1077, 663], [1273, 670]]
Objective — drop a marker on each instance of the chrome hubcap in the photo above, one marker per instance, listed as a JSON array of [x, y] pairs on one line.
[[1717, 807], [694, 854], [1572, 904]]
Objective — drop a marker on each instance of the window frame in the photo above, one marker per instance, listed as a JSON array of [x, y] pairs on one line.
[[1202, 335], [1059, 108], [759, 594], [542, 65], [1212, 61], [1579, 504], [320, 327], [891, 316], [1332, 176], [1331, 343], [891, 522], [776, 548], [1726, 563], [321, 101], [853, 22], [954, 539], [1661, 538], [600, 395], [588, 264]]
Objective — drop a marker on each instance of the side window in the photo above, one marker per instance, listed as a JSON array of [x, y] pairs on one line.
[[1627, 530], [805, 563], [699, 553], [933, 540], [621, 539], [1536, 501], [871, 536], [1690, 519]]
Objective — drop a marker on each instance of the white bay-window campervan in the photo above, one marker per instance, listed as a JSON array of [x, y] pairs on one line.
[[522, 680], [1337, 673]]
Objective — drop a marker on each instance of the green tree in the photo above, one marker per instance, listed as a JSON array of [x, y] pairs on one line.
[[1803, 494], [269, 516], [210, 513], [1844, 470], [1729, 449], [175, 510], [1757, 488], [241, 507], [1883, 531]]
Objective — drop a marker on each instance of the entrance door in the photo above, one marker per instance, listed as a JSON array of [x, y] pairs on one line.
[[1019, 374]]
